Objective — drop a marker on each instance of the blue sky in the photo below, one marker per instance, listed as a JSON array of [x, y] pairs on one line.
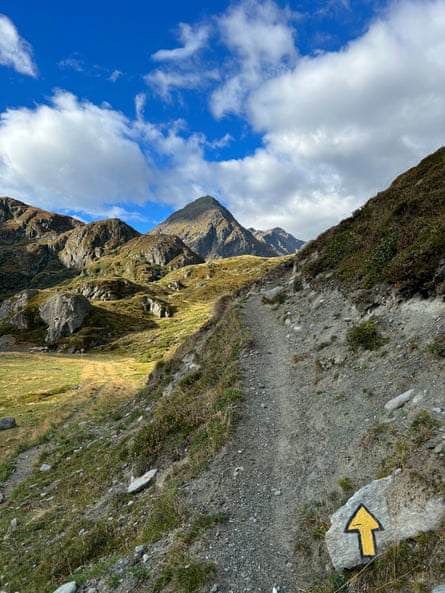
[[291, 114]]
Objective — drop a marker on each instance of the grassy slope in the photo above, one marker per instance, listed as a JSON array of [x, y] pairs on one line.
[[397, 238], [95, 440]]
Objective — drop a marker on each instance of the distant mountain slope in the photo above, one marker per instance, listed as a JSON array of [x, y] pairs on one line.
[[282, 242], [91, 241], [19, 221], [396, 238], [211, 231]]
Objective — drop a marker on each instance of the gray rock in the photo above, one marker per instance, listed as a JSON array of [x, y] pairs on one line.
[[399, 401], [272, 293], [12, 310], [439, 589], [64, 314], [6, 423], [142, 482], [156, 307], [45, 467], [384, 512], [70, 587]]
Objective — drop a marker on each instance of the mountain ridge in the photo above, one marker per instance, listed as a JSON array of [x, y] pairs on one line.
[[208, 228]]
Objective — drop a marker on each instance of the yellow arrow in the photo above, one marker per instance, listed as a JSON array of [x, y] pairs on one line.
[[365, 524]]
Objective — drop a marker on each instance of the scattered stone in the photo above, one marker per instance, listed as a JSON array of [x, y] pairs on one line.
[[384, 512], [14, 523], [45, 467], [214, 589], [399, 401], [142, 482], [7, 423], [70, 587], [272, 293]]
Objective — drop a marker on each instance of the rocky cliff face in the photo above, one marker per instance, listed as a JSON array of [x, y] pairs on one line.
[[211, 231], [88, 243]]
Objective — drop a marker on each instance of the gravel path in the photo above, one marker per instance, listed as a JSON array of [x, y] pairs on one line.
[[310, 405]]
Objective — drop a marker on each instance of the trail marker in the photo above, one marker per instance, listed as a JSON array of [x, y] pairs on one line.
[[365, 524]]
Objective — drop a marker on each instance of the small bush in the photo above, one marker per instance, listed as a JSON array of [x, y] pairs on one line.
[[365, 335]]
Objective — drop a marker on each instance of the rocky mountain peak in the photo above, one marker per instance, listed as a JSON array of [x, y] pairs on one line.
[[211, 230]]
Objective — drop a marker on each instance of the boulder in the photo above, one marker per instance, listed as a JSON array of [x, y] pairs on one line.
[[382, 513], [6, 423], [64, 314]]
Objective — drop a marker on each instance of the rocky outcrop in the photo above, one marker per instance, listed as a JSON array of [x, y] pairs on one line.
[[87, 244], [107, 290], [156, 307], [211, 231], [13, 310], [64, 314], [148, 257], [282, 242]]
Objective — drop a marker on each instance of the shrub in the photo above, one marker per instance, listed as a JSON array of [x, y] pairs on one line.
[[365, 335]]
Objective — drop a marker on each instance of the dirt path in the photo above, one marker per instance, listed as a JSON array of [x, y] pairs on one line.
[[307, 435]]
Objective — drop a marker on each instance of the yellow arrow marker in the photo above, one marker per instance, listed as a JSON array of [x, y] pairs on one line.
[[365, 524]]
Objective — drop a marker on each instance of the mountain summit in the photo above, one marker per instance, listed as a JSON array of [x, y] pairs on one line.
[[211, 231]]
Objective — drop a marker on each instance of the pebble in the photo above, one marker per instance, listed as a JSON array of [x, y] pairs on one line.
[[45, 467]]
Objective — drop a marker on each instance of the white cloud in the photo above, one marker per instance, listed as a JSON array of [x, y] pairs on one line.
[[139, 102], [261, 41], [115, 75], [164, 82], [71, 154], [335, 127], [192, 38], [15, 52], [340, 126]]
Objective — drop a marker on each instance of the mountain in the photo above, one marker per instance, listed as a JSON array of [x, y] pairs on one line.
[[282, 242], [211, 231], [89, 242], [19, 221], [396, 239]]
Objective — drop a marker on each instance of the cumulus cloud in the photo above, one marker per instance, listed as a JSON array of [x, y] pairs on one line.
[[192, 38], [261, 42], [334, 128], [15, 52], [71, 154]]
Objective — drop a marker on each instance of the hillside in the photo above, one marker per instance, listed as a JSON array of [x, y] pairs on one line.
[[210, 229], [396, 239]]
